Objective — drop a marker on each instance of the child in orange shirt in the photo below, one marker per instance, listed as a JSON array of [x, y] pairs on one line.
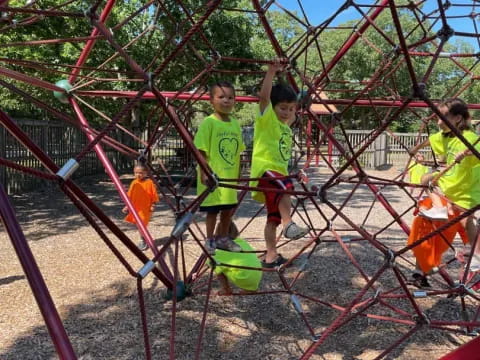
[[143, 195]]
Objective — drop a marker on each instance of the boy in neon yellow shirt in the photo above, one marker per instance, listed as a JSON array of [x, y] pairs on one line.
[[219, 139], [439, 144], [461, 183], [272, 147]]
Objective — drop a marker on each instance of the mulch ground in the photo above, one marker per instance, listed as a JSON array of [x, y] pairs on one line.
[[98, 302]]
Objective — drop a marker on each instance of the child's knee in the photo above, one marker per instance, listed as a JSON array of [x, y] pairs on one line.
[[272, 224], [226, 214], [212, 216]]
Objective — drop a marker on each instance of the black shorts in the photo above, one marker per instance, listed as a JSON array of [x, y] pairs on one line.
[[215, 209]]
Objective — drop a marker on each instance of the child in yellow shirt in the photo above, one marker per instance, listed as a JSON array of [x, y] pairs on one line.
[[461, 183], [219, 139], [272, 147]]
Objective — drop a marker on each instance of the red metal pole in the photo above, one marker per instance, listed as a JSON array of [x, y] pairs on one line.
[[385, 103], [271, 36], [89, 45], [470, 350], [349, 43], [309, 136], [37, 284], [115, 178], [148, 95], [330, 146], [166, 94]]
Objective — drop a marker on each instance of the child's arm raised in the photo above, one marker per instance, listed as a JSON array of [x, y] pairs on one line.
[[265, 91]]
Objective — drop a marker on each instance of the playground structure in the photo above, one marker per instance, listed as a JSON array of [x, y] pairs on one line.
[[172, 111]]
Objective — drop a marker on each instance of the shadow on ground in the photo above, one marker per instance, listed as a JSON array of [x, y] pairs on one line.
[[247, 327]]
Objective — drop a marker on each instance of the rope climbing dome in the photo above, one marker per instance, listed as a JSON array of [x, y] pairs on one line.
[[405, 53]]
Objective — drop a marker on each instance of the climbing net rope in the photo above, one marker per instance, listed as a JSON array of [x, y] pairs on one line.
[[408, 43]]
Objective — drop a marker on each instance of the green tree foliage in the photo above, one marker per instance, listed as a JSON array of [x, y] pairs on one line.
[[368, 57], [152, 35]]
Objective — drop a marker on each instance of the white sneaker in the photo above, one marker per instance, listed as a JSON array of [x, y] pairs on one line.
[[435, 213], [293, 232]]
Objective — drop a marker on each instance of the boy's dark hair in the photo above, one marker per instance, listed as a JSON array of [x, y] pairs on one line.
[[141, 165], [282, 93], [456, 107], [221, 84]]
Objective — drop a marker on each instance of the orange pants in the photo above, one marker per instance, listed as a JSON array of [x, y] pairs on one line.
[[429, 253]]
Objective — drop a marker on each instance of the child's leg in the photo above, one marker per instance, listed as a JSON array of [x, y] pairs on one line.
[[471, 229], [284, 207], [226, 289], [222, 241], [210, 224], [290, 229], [438, 211], [224, 223], [270, 233], [436, 199]]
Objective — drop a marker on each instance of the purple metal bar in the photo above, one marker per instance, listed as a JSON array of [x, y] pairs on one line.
[[37, 284]]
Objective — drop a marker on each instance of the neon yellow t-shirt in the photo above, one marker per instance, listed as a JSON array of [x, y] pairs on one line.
[[222, 142], [438, 143], [461, 184], [272, 147], [242, 278], [416, 171]]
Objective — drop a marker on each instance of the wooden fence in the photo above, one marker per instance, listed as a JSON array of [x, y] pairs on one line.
[[387, 149], [58, 140], [62, 142]]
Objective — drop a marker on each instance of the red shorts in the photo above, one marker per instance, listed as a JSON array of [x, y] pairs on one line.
[[273, 198]]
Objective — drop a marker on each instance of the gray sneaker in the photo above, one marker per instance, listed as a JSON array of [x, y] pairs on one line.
[[293, 232], [227, 244], [210, 246]]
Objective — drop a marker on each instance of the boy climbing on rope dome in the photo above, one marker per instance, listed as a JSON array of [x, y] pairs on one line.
[[439, 144], [219, 139], [272, 147], [459, 184], [143, 195]]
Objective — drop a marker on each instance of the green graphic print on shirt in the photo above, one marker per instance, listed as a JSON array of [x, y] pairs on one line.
[[272, 147], [222, 143]]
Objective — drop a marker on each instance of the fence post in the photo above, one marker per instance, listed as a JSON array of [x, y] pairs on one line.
[[380, 151], [3, 154]]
